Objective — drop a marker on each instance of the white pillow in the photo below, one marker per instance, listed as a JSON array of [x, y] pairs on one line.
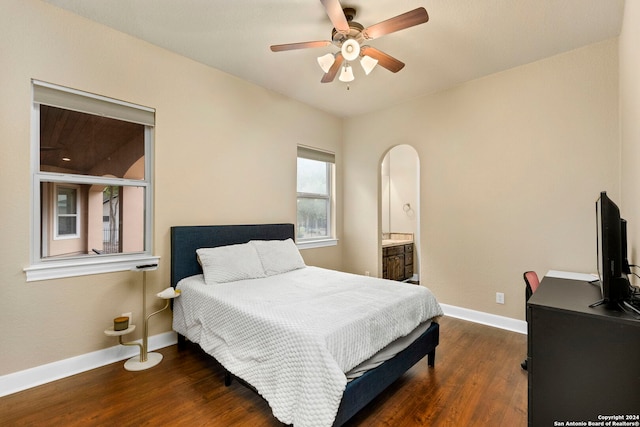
[[278, 256], [230, 263]]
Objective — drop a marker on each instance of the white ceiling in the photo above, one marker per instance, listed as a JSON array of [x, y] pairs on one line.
[[463, 40]]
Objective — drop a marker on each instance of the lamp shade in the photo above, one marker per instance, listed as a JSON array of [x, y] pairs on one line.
[[326, 61], [368, 64], [346, 75], [350, 50]]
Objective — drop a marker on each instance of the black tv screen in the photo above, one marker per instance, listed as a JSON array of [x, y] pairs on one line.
[[612, 248]]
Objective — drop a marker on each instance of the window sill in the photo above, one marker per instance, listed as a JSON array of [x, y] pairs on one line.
[[82, 267], [311, 244]]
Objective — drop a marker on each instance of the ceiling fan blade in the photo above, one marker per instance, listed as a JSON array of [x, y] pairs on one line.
[[336, 15], [333, 71], [301, 45], [384, 60], [400, 22]]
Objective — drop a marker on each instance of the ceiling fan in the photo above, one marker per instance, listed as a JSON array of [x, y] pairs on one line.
[[349, 36]]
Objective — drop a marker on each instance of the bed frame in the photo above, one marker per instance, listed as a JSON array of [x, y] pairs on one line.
[[359, 392]]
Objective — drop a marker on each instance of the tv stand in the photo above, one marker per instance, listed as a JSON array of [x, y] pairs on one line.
[[582, 360]]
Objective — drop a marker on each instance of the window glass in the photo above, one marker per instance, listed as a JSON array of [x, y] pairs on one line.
[[312, 176], [313, 218], [86, 144], [314, 195], [122, 218], [112, 219]]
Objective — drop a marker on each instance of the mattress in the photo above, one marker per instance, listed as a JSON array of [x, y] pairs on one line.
[[387, 352], [293, 336]]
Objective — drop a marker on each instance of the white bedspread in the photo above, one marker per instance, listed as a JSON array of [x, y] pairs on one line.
[[292, 336]]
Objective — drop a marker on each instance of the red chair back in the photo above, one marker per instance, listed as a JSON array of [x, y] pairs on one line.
[[532, 282]]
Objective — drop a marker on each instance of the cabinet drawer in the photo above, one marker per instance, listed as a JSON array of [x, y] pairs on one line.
[[408, 271], [408, 248], [408, 258], [393, 250]]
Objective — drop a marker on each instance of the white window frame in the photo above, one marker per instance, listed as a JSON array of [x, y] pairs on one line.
[[328, 157], [52, 268], [57, 215]]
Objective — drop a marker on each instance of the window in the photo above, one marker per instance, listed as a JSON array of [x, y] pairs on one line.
[[315, 202], [92, 183], [66, 212]]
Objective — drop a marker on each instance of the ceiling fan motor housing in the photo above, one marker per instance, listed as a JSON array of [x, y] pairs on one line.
[[355, 32], [355, 29]]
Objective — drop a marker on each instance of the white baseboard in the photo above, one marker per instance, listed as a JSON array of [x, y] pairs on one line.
[[22, 380], [496, 321]]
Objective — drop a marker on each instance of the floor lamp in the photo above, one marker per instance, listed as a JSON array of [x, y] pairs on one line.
[[146, 360]]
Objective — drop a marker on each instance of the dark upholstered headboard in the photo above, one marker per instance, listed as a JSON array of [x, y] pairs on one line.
[[186, 239]]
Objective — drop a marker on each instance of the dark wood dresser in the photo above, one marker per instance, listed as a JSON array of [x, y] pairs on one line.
[[583, 362]]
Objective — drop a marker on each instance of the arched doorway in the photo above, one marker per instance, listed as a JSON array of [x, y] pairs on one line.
[[400, 213]]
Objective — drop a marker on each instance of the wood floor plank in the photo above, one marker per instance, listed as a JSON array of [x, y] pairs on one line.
[[477, 381]]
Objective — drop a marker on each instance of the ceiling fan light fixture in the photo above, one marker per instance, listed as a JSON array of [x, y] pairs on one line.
[[368, 64], [326, 61], [350, 50], [346, 75]]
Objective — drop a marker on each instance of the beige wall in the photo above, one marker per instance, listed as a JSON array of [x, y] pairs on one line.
[[511, 166], [630, 125], [225, 153]]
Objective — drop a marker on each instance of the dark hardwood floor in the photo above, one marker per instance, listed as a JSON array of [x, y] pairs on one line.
[[477, 381]]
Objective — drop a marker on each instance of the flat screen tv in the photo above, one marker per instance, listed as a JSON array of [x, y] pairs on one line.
[[613, 266]]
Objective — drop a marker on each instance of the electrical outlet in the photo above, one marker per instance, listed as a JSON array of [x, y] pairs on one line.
[[499, 297], [366, 273]]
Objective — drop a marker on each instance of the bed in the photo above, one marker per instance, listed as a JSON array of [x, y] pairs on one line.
[[355, 394]]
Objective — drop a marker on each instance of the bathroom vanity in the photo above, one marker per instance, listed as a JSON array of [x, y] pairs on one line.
[[397, 256]]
